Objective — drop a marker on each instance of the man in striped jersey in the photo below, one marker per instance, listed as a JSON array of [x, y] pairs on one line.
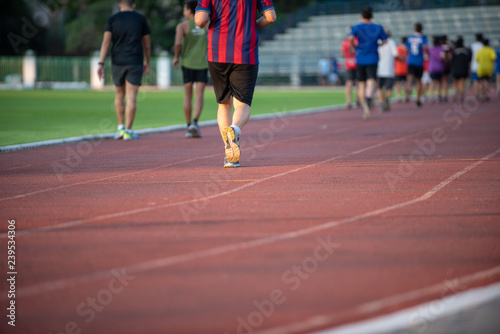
[[233, 61]]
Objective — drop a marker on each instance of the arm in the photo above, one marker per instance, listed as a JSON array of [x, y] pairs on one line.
[[146, 42], [201, 18], [106, 42], [268, 17], [179, 35]]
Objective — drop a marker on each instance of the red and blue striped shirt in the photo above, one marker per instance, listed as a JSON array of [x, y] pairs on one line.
[[232, 35]]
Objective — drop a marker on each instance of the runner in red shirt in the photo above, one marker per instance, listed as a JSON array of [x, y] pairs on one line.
[[350, 65], [401, 68]]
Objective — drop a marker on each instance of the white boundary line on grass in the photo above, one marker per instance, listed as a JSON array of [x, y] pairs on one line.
[[72, 140], [206, 253]]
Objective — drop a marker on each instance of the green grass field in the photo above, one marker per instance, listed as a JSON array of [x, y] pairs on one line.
[[30, 116]]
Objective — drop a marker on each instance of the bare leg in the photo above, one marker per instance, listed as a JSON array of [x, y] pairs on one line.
[[188, 98], [120, 103], [131, 93], [371, 84], [224, 117], [199, 99], [409, 83], [348, 91], [241, 113], [420, 89]]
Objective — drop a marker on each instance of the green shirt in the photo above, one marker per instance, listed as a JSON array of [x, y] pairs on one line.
[[194, 48]]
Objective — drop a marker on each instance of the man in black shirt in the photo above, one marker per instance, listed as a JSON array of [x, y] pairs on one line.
[[129, 34]]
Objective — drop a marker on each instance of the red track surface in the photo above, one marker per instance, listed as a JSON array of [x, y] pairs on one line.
[[205, 248]]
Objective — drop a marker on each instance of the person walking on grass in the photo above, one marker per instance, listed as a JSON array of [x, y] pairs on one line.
[[233, 60], [460, 64], [129, 34], [191, 44], [368, 34], [417, 46], [486, 66], [387, 54]]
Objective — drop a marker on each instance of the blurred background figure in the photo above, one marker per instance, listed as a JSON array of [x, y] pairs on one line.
[[486, 65], [333, 77], [436, 69], [475, 47], [448, 50], [349, 54], [460, 64], [401, 68], [387, 54], [323, 71], [497, 67]]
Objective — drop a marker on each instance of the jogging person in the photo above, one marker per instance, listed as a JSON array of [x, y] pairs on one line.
[[368, 34], [475, 47], [233, 60], [401, 68], [486, 67], [129, 34], [460, 64], [417, 46], [437, 55], [349, 53], [497, 68], [191, 44], [387, 54]]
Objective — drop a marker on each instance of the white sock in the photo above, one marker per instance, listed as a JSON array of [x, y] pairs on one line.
[[121, 127], [237, 130]]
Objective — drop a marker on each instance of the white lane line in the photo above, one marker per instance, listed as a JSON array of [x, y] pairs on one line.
[[103, 179], [172, 260], [156, 168], [404, 319], [193, 201]]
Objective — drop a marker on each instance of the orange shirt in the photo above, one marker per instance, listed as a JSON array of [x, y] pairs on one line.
[[401, 64]]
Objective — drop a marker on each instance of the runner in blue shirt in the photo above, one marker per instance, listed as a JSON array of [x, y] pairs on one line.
[[497, 70], [368, 35], [417, 47]]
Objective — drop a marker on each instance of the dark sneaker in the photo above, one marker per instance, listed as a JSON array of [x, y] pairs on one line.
[[194, 130]]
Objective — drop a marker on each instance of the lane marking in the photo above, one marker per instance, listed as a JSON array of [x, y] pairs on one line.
[[159, 167], [196, 255], [403, 319], [193, 201]]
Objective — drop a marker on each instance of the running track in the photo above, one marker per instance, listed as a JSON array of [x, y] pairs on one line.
[[330, 220]]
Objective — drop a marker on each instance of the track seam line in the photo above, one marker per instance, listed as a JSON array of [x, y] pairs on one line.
[[169, 261], [204, 199], [150, 169]]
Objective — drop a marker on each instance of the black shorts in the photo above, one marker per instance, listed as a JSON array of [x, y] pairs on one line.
[[386, 83], [365, 72], [416, 71], [400, 78], [350, 75], [190, 75], [131, 73], [233, 80], [460, 76], [436, 76]]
